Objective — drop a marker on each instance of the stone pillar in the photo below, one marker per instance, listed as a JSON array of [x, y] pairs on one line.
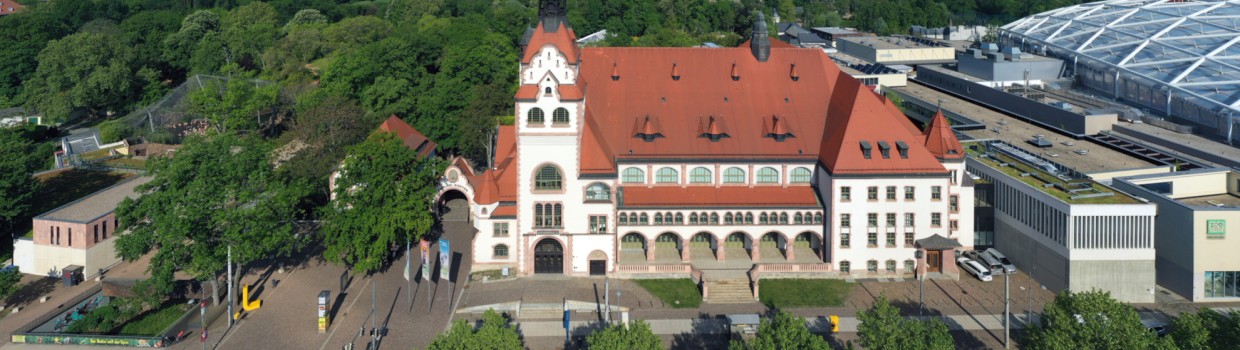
[[789, 251], [755, 252], [649, 251], [720, 251]]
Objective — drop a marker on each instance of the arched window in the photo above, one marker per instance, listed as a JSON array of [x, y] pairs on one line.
[[762, 219], [693, 219], [634, 176], [598, 192], [680, 219], [644, 220], [817, 218], [501, 251], [845, 266], [548, 178], [667, 176], [714, 218], [783, 218], [547, 90], [658, 218], [535, 116], [797, 219], [700, 175], [800, 176], [631, 238], [559, 116], [727, 219], [734, 175], [749, 218], [624, 219], [768, 175]]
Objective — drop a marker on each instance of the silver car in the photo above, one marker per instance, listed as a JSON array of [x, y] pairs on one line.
[[975, 269], [1008, 267]]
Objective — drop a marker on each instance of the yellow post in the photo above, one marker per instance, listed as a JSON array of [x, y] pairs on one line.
[[245, 300], [835, 324]]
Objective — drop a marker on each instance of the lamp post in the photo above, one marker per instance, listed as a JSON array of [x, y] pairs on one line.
[[1007, 310], [921, 282]]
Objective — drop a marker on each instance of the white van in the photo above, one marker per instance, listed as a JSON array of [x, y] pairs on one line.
[[974, 268]]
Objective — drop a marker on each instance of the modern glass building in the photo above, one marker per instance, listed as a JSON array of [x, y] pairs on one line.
[[1175, 58]]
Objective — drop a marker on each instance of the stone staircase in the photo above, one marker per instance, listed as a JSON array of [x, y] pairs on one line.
[[729, 291]]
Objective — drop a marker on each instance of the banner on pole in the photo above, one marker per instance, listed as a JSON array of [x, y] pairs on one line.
[[408, 260], [445, 260], [425, 246]]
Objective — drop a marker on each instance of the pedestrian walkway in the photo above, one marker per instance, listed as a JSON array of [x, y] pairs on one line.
[[719, 325]]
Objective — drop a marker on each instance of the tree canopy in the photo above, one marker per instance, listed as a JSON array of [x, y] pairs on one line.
[[383, 199], [784, 330], [493, 333], [637, 335], [882, 327], [1090, 320], [219, 191], [1206, 329], [17, 187], [95, 71]]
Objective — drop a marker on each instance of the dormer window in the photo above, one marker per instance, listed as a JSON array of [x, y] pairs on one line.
[[777, 129], [865, 149], [647, 129], [714, 130], [547, 90], [885, 149], [903, 149]]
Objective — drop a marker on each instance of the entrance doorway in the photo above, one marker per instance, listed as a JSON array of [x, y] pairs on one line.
[[453, 206], [934, 261], [549, 257], [598, 267]]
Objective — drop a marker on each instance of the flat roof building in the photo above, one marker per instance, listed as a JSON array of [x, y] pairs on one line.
[[1196, 248], [79, 233], [897, 50], [1007, 66], [1065, 230]]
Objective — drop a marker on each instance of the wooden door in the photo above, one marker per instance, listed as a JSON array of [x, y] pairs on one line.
[[934, 261]]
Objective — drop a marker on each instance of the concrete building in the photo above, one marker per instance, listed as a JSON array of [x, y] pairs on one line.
[[833, 34], [79, 233], [1064, 229], [1196, 247], [1007, 66], [897, 50], [951, 33], [877, 76], [629, 161]]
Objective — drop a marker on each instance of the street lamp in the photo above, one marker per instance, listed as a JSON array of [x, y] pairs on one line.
[[921, 282]]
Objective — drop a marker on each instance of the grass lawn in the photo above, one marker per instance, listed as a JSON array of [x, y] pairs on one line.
[[125, 163], [803, 292], [155, 321], [673, 290]]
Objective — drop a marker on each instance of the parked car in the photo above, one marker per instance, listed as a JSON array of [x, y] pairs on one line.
[[975, 268], [1157, 327], [1008, 267], [986, 260], [971, 254]]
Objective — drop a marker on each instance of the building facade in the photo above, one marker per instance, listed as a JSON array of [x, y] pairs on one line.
[[1065, 230], [1195, 243], [629, 161], [79, 233]]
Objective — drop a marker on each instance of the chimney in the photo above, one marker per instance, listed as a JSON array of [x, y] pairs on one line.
[[760, 42]]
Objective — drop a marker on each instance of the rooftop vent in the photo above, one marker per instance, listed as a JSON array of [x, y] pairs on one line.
[[793, 73], [865, 149], [885, 149], [615, 72], [675, 72], [736, 72]]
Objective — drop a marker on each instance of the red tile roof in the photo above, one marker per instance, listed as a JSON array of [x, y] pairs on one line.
[[601, 161], [727, 196], [940, 139], [500, 183], [8, 7], [677, 107], [567, 92], [505, 211], [563, 39], [413, 139], [859, 117]]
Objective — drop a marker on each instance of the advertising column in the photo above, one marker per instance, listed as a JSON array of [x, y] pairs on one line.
[[324, 297]]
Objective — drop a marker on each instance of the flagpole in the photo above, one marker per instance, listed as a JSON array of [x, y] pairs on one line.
[[408, 279]]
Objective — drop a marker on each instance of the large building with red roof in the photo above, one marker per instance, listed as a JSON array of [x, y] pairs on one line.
[[631, 160]]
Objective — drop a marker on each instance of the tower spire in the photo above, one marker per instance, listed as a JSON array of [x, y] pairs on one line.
[[551, 13], [760, 42]]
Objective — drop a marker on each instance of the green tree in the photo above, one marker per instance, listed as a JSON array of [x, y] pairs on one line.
[[1090, 320], [17, 187], [882, 327], [180, 46], [782, 331], [238, 105], [92, 70], [494, 333], [1206, 329], [307, 17], [356, 31], [10, 281], [327, 125], [382, 199], [218, 192], [637, 335], [787, 11]]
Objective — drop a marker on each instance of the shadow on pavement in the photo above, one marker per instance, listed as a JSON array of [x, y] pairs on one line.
[[32, 292], [704, 335]]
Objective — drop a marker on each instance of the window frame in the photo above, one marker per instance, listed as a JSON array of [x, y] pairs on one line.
[[936, 193], [845, 266], [696, 176], [542, 184], [767, 175], [632, 173], [936, 219], [556, 114], [495, 251], [497, 231], [664, 174], [535, 115], [845, 193], [800, 175], [891, 193], [735, 177], [597, 220], [910, 193], [871, 193]]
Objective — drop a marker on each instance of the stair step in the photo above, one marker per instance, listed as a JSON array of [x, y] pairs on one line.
[[542, 314]]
